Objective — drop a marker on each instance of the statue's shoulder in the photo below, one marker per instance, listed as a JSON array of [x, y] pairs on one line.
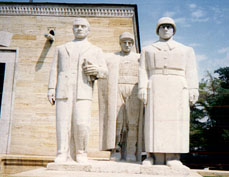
[[63, 46], [149, 47], [109, 56], [178, 44], [186, 49], [135, 55], [114, 55], [94, 47]]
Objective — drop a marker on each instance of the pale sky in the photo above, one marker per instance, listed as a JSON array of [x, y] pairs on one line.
[[201, 24]]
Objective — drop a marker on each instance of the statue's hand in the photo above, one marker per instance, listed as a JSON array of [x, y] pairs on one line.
[[142, 95], [51, 96], [90, 69], [193, 96]]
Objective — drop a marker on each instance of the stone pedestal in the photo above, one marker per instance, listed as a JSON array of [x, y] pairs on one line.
[[121, 168], [107, 168]]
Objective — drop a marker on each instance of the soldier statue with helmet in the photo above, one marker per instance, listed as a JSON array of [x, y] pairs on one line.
[[119, 103], [168, 84]]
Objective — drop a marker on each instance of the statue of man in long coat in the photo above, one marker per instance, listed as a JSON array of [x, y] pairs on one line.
[[119, 103], [168, 84]]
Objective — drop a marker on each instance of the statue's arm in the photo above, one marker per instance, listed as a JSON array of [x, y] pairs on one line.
[[102, 66], [99, 68], [142, 78], [53, 79], [192, 76]]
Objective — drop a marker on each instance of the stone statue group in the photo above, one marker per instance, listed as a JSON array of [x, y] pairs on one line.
[[143, 100]]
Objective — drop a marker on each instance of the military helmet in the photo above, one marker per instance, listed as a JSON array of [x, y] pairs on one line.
[[165, 20], [126, 35]]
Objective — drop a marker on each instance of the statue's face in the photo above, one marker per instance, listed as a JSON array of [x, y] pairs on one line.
[[80, 30], [126, 45], [166, 31]]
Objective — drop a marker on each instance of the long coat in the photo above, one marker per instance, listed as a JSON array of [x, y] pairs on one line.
[[68, 61], [108, 100], [168, 71]]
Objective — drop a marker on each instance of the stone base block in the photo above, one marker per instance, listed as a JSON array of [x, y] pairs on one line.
[[167, 171], [96, 166], [69, 167], [103, 168]]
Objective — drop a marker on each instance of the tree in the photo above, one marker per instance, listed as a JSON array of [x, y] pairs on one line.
[[210, 116]]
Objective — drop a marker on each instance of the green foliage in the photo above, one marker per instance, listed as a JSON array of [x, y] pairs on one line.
[[224, 77], [212, 133]]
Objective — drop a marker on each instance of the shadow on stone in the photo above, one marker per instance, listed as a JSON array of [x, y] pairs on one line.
[[43, 55]]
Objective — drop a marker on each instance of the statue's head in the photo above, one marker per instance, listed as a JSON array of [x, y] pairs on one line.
[[126, 41], [166, 28], [81, 28]]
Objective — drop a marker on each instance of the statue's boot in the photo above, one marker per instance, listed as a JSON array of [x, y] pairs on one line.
[[130, 158], [63, 158], [148, 161], [82, 158], [175, 164], [115, 155]]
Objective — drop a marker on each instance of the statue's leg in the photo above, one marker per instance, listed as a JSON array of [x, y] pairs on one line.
[[173, 160], [159, 158], [116, 153], [172, 156], [81, 128], [132, 109], [72, 141], [72, 144], [131, 143], [149, 159], [63, 130]]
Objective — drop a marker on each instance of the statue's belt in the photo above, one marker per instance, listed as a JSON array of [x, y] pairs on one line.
[[167, 71]]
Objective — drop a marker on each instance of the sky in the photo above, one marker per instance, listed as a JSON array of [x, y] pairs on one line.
[[201, 24]]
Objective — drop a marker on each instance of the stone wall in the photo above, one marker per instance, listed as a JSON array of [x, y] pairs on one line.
[[33, 118]]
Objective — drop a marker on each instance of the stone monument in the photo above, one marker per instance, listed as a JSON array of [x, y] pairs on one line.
[[168, 84], [76, 65], [119, 120]]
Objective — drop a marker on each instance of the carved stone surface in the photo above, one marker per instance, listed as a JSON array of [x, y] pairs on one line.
[[75, 67], [168, 83], [54, 10], [121, 168], [119, 92], [69, 167], [5, 38]]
